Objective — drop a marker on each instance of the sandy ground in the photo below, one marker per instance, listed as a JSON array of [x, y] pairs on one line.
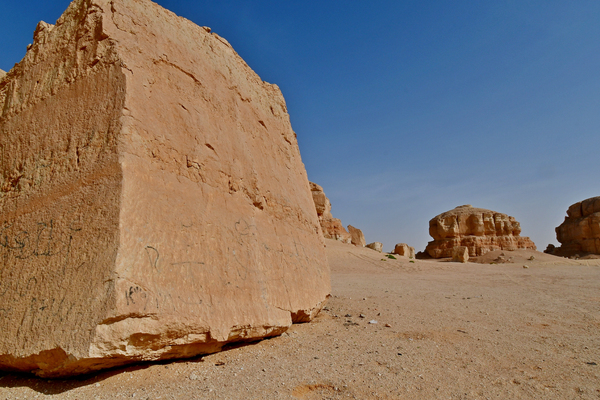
[[396, 329]]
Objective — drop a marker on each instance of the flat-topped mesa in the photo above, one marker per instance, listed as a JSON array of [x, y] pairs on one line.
[[478, 229], [332, 227], [580, 231], [153, 201]]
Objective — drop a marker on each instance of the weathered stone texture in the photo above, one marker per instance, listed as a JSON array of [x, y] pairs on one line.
[[480, 230], [357, 237], [152, 197], [2, 74], [332, 227], [402, 249], [460, 254], [580, 231], [377, 246]]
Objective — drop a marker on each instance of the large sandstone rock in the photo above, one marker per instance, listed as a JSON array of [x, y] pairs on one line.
[[332, 227], [357, 237], [2, 74], [402, 249], [153, 200], [580, 231], [478, 229]]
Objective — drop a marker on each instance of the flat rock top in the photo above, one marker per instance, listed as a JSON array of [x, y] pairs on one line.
[[465, 210], [484, 318]]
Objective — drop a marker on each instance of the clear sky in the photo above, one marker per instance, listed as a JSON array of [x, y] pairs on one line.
[[405, 109]]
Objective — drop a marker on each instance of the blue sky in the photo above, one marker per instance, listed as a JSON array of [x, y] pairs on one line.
[[406, 109]]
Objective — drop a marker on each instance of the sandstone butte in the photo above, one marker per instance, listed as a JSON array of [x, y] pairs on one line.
[[580, 231], [332, 227], [153, 200], [479, 230]]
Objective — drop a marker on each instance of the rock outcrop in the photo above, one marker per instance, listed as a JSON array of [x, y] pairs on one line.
[[153, 201], [377, 246], [402, 249], [332, 227], [460, 254], [550, 249], [357, 237], [580, 231], [2, 74], [478, 229]]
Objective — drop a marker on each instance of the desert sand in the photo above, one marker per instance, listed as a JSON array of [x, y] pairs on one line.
[[443, 331]]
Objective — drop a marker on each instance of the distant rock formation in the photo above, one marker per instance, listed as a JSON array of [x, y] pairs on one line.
[[153, 202], [377, 246], [478, 229], [580, 231], [402, 249], [332, 227], [358, 239]]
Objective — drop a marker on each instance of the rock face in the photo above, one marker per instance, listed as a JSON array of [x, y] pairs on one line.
[[402, 249], [377, 246], [358, 239], [332, 227], [153, 200], [478, 229], [550, 249], [2, 74], [580, 232], [460, 254]]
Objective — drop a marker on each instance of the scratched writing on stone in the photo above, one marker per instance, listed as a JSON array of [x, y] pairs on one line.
[[229, 266], [43, 239]]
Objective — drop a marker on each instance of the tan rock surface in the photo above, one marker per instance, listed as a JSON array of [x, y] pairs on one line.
[[377, 246], [153, 200], [580, 231], [358, 239], [478, 229], [460, 254], [2, 74], [402, 249], [332, 227], [490, 331]]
